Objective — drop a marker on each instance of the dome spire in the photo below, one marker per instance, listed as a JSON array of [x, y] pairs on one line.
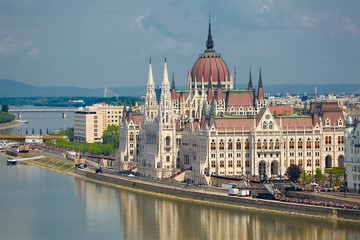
[[209, 42]]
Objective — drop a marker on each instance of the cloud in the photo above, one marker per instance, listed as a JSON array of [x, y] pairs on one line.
[[264, 9], [308, 21], [34, 51], [9, 45], [137, 24], [350, 26]]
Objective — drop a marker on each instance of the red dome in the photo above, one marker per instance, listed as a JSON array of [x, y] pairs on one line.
[[209, 64]]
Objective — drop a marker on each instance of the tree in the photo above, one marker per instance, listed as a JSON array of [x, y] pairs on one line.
[[293, 173], [318, 175], [4, 108], [305, 177], [111, 135]]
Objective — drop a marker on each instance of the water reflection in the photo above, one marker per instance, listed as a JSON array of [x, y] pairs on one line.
[[143, 216]]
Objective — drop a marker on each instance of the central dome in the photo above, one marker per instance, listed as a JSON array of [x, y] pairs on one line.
[[210, 67]]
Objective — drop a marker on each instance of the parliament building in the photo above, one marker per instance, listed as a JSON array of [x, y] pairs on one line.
[[214, 128]]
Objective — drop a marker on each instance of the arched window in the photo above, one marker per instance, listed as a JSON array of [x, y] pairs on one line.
[[308, 143], [271, 125], [213, 164], [222, 164], [238, 163], [230, 163], [317, 162], [264, 125], [131, 137], [300, 162], [247, 144], [213, 145], [258, 145], [131, 152], [340, 139], [221, 145], [291, 143], [308, 162], [265, 145], [292, 162], [300, 143], [167, 141], [277, 144], [230, 145], [271, 144], [317, 143], [238, 144]]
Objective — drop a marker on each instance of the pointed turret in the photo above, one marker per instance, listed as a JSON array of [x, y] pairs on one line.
[[250, 85], [150, 76], [209, 42], [173, 82], [150, 97], [260, 96]]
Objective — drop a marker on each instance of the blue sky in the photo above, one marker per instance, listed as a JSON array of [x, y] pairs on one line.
[[109, 42]]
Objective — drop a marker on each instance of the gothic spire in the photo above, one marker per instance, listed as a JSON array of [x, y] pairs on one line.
[[260, 80], [250, 85], [209, 42], [150, 76], [173, 82]]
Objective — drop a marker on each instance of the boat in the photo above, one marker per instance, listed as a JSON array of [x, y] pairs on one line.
[[11, 162]]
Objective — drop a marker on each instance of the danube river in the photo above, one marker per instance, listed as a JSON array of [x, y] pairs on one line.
[[41, 204]]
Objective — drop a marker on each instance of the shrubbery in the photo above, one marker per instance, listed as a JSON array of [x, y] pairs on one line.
[[6, 117]]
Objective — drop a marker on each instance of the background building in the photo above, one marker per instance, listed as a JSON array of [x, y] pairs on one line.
[[352, 154], [90, 122]]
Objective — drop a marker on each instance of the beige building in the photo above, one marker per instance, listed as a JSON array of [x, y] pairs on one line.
[[90, 122], [352, 154]]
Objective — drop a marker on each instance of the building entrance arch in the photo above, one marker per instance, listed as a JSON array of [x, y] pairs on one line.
[[274, 167], [262, 170], [328, 161]]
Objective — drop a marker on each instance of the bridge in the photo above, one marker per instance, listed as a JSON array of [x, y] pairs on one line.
[[30, 138], [20, 111]]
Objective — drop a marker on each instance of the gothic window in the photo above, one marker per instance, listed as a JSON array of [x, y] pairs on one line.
[[131, 137], [238, 163], [213, 164], [317, 143], [167, 141], [247, 163], [340, 139], [277, 144], [131, 152], [291, 143], [308, 162], [230, 163], [271, 144], [221, 145], [265, 145], [213, 145], [292, 162], [168, 158], [300, 143], [247, 144], [271, 125], [264, 125], [238, 144], [300, 162], [222, 164], [230, 145], [258, 145], [317, 162], [328, 140], [308, 143]]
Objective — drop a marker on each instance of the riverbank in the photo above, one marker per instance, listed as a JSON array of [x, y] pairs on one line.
[[8, 125], [198, 195]]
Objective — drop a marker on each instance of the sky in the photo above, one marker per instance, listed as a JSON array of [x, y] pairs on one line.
[[93, 43]]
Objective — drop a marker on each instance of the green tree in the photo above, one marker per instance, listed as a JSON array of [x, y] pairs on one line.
[[293, 173], [4, 108], [111, 135], [305, 177], [318, 175], [69, 132]]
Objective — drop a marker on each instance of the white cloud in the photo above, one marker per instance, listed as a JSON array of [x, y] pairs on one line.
[[9, 45], [264, 9], [137, 24], [34, 51], [350, 26], [308, 21]]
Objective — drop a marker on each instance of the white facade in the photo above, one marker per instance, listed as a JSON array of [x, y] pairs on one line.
[[352, 157]]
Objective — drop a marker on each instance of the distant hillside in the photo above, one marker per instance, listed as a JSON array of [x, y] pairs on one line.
[[10, 88]]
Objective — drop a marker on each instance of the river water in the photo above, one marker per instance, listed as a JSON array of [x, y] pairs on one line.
[[40, 204]]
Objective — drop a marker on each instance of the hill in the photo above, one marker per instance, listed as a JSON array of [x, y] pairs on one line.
[[10, 88]]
